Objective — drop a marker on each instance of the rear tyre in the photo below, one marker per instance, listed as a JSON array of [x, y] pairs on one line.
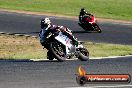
[[83, 54], [58, 51], [83, 26]]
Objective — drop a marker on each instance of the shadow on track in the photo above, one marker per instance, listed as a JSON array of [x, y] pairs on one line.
[[84, 32], [38, 32], [26, 60], [107, 60]]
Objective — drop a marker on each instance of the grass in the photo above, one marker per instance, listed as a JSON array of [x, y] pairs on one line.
[[21, 47], [114, 9], [104, 50], [15, 47]]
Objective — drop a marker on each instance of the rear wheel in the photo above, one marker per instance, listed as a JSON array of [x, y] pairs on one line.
[[58, 51], [83, 54]]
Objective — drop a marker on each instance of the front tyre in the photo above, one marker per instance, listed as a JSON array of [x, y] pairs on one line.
[[58, 51], [97, 28], [83, 54]]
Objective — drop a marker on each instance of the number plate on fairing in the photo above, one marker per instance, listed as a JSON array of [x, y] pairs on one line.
[[63, 39], [70, 48]]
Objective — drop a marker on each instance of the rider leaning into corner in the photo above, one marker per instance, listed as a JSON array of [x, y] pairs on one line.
[[47, 26], [83, 12]]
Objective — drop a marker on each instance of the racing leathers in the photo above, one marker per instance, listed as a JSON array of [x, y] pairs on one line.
[[82, 14], [55, 29]]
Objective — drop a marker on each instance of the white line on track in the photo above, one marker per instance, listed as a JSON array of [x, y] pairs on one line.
[[110, 57], [90, 58]]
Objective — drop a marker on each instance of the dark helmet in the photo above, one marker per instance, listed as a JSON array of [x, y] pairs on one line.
[[45, 22], [83, 10]]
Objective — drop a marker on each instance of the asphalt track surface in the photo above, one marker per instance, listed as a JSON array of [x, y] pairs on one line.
[[53, 74], [30, 24]]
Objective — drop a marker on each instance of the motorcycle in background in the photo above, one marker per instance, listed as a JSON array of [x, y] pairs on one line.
[[89, 23]]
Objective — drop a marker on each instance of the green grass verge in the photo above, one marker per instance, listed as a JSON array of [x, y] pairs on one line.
[[21, 47], [104, 50], [115, 9]]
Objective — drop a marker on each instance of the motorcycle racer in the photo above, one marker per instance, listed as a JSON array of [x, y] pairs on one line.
[[88, 22], [83, 12], [47, 26]]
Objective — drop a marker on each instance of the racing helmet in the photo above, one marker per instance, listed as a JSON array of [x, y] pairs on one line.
[[45, 22], [83, 10]]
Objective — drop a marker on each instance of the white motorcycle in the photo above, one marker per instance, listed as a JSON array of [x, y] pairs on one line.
[[60, 47]]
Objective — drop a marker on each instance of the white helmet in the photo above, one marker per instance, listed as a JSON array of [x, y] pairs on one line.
[[47, 21]]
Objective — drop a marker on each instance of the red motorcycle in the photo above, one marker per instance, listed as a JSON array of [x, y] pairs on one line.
[[89, 23]]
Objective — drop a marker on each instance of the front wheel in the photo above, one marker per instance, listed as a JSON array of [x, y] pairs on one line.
[[83, 54], [97, 28], [58, 51]]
